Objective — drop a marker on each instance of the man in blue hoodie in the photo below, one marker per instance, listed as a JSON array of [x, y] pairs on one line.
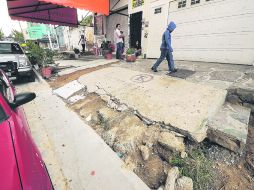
[[166, 49]]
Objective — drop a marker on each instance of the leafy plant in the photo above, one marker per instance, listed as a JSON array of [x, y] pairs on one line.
[[107, 45], [39, 56], [88, 21], [48, 59], [197, 167], [35, 53], [1, 34], [130, 51]]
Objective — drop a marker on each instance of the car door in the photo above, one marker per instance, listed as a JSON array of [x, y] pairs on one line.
[[32, 170], [9, 175]]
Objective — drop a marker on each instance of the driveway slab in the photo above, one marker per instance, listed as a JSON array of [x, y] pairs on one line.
[[182, 105]]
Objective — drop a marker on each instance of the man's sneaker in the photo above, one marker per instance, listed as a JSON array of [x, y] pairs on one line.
[[154, 70], [174, 71]]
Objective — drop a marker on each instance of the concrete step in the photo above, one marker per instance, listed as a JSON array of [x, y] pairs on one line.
[[229, 127]]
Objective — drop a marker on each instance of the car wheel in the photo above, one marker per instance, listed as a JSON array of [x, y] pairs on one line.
[[31, 78]]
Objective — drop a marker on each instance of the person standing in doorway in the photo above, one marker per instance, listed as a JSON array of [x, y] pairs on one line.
[[119, 41], [166, 49], [83, 43], [123, 42]]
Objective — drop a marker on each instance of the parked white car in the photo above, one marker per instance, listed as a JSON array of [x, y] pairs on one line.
[[14, 62]]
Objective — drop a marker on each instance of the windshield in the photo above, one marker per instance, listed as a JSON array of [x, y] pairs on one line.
[[10, 48]]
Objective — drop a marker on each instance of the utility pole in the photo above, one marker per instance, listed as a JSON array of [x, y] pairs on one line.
[[51, 47], [22, 31]]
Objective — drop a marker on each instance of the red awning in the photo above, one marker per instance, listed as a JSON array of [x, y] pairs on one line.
[[97, 6], [56, 12]]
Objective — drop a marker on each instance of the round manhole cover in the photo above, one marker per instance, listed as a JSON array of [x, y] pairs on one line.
[[142, 78]]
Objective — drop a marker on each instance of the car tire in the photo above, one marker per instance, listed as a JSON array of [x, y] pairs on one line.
[[31, 78]]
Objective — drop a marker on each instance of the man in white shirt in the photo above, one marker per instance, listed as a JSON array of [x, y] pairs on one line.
[[118, 37]]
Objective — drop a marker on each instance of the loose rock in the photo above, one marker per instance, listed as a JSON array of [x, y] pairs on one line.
[[184, 155], [144, 152], [122, 108], [184, 183], [171, 142], [173, 174]]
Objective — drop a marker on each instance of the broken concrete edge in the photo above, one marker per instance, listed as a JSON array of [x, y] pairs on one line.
[[226, 141], [147, 121], [236, 95]]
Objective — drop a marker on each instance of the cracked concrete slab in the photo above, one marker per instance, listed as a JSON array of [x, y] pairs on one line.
[[229, 127], [183, 105]]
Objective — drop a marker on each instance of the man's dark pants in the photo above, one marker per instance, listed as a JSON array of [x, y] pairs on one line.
[[165, 53], [119, 47]]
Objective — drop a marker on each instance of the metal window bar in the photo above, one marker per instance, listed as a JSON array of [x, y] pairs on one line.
[[182, 3], [193, 2]]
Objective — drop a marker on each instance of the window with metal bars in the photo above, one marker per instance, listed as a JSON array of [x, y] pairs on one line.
[[181, 3], [193, 2]]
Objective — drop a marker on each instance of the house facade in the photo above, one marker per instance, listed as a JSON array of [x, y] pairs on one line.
[[207, 30]]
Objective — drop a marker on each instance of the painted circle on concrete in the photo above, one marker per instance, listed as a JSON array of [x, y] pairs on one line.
[[142, 78]]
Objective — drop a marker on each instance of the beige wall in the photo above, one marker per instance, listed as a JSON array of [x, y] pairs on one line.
[[72, 36]]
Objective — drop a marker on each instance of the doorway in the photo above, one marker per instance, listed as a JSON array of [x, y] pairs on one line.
[[135, 28]]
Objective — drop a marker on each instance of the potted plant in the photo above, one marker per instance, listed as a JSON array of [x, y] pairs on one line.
[[107, 49], [77, 52], [130, 55], [46, 70]]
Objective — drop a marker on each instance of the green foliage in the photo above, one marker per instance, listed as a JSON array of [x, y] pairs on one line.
[[1, 34], [88, 21], [197, 167], [107, 45], [130, 51], [18, 36], [35, 53], [48, 59], [39, 56]]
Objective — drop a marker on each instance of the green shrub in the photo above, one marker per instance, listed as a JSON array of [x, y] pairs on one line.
[[37, 55], [197, 167], [130, 51], [49, 54]]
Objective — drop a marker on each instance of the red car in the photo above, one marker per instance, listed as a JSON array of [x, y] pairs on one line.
[[21, 164]]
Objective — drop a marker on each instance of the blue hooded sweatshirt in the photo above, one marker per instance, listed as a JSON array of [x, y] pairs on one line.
[[166, 38]]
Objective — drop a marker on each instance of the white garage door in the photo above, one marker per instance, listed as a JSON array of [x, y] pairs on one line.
[[158, 14], [214, 31]]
